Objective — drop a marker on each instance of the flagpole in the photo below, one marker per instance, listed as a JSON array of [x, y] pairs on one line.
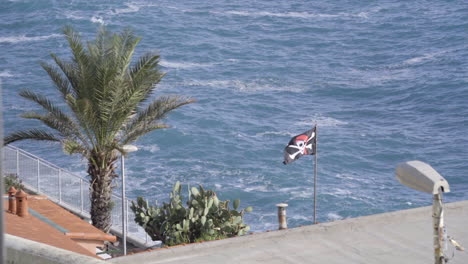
[[315, 176]]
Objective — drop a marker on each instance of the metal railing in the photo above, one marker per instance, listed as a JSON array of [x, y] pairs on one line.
[[68, 190]]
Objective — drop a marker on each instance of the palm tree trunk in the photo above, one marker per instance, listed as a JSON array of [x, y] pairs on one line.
[[101, 190]]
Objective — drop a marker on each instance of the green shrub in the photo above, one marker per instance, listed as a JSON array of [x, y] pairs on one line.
[[205, 217], [11, 179]]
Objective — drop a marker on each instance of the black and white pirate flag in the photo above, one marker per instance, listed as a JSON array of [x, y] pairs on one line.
[[303, 144]]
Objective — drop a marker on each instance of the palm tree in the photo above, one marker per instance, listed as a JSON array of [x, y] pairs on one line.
[[108, 103]]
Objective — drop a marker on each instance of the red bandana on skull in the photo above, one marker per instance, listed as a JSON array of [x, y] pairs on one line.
[[299, 145]]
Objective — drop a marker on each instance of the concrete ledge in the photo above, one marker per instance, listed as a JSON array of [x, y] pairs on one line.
[[20, 250], [396, 237]]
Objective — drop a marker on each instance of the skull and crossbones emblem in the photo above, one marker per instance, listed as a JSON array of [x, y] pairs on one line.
[[303, 144]]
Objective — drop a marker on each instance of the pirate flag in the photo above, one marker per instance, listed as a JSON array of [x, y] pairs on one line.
[[303, 144]]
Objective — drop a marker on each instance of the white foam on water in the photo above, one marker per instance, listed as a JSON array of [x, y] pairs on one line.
[[132, 7], [275, 133], [150, 148], [334, 216], [301, 194], [419, 59], [350, 178], [212, 83], [23, 38], [184, 65], [304, 15], [259, 87], [321, 121], [74, 16], [258, 188], [247, 86], [98, 20], [363, 15], [338, 192], [6, 74], [300, 217], [425, 57]]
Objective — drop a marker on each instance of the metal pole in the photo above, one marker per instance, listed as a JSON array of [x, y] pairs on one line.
[[315, 175], [439, 228], [81, 196], [124, 208], [60, 185], [2, 228], [283, 224], [126, 215], [17, 163], [38, 176]]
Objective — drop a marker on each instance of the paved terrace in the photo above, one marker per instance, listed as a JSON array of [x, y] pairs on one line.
[[397, 237]]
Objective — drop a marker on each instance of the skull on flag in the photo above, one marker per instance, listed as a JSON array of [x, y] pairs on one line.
[[299, 145]]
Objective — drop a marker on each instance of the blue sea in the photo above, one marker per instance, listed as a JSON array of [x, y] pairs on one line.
[[385, 81]]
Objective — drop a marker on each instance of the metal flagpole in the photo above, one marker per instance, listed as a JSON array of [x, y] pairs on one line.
[[315, 176]]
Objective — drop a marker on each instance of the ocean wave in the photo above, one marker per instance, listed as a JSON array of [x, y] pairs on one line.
[[74, 15], [334, 216], [98, 20], [184, 65], [23, 38], [417, 60], [6, 74], [339, 192], [423, 58], [300, 217], [258, 188], [304, 15], [349, 177], [321, 121], [102, 16], [275, 133], [150, 148], [247, 86], [131, 8]]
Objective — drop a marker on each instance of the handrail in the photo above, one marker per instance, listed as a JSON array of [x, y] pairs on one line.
[[48, 187]]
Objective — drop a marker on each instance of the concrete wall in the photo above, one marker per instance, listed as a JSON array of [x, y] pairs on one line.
[[22, 251], [402, 237]]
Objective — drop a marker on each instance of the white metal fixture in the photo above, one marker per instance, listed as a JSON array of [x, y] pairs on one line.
[[422, 177], [126, 149]]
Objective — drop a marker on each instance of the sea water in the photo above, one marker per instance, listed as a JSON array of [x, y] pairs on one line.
[[385, 81]]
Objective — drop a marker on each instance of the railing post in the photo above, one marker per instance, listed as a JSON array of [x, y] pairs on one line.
[[81, 196], [17, 163], [60, 185], [283, 224], [38, 176]]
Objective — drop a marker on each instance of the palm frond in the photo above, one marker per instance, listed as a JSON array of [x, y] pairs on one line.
[[55, 119], [62, 84], [73, 147], [76, 46], [33, 134], [156, 111], [72, 74], [145, 74], [138, 132], [47, 105], [52, 122], [124, 45]]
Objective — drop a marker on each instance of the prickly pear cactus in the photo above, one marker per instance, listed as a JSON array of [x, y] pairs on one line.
[[204, 217]]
